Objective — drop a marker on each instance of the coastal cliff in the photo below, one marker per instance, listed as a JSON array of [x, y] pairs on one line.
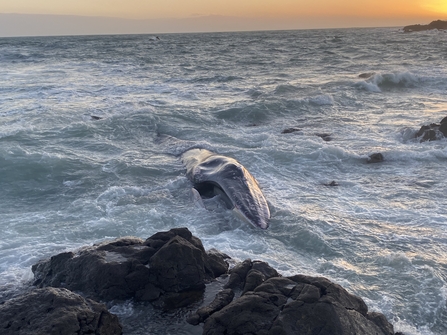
[[171, 270], [438, 24]]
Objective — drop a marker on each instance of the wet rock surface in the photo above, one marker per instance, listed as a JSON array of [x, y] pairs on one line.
[[433, 131], [56, 311], [297, 305], [170, 271], [171, 267]]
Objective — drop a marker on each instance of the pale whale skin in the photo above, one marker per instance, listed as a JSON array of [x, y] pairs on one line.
[[208, 170]]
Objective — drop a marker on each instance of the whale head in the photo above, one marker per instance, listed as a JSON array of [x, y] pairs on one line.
[[228, 177]]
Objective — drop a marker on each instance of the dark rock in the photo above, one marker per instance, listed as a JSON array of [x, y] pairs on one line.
[[56, 311], [366, 75], [265, 269], [443, 128], [178, 266], [297, 305], [217, 263], [222, 299], [248, 275], [170, 270], [290, 130], [324, 136], [253, 279], [375, 158], [433, 131], [168, 266], [238, 274], [439, 24]]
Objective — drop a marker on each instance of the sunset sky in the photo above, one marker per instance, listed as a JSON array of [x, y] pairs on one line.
[[281, 14]]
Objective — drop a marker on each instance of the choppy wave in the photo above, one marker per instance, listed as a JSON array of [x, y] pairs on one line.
[[70, 179], [389, 81]]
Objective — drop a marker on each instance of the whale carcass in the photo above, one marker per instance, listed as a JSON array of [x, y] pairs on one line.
[[218, 174]]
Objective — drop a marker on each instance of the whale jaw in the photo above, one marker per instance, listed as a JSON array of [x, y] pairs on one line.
[[227, 177], [262, 223]]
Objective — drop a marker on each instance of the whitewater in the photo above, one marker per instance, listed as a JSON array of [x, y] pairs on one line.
[[81, 163]]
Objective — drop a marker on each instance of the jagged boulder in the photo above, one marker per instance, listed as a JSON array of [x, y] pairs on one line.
[[246, 276], [297, 305], [170, 270], [169, 267], [432, 132], [222, 299], [56, 311]]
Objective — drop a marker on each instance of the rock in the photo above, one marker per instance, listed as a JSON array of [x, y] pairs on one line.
[[217, 263], [170, 270], [178, 266], [433, 131], [375, 158], [56, 311], [248, 275], [324, 136], [222, 299], [297, 305], [366, 75], [171, 267], [443, 128], [439, 24], [290, 130]]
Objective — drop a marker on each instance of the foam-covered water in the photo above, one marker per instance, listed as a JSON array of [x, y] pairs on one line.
[[68, 180]]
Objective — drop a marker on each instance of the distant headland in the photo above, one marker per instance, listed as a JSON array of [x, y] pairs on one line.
[[438, 24]]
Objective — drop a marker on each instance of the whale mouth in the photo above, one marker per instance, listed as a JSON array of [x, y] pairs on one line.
[[208, 190]]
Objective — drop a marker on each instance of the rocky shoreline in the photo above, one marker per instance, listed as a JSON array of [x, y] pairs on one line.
[[438, 24], [171, 270]]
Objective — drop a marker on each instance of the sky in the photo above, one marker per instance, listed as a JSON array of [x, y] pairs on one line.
[[228, 15]]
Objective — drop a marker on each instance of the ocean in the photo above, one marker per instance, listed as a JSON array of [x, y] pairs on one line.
[[80, 159]]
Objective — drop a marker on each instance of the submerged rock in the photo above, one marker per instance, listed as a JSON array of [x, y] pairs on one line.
[[56, 311], [375, 158], [366, 75], [290, 130], [324, 136]]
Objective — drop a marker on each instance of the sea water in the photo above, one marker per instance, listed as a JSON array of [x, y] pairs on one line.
[[80, 161]]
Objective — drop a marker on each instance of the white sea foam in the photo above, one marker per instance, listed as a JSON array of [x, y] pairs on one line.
[[386, 81], [68, 180]]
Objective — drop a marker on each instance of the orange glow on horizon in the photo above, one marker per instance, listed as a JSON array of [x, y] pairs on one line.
[[277, 9]]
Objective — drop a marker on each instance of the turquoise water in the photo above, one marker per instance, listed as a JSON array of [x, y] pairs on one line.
[[68, 180]]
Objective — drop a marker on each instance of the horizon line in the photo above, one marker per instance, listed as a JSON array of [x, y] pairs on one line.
[[34, 25]]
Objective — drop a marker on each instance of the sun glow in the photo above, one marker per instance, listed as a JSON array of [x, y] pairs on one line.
[[436, 6]]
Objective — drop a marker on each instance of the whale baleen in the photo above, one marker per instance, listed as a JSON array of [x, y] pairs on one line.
[[218, 174]]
